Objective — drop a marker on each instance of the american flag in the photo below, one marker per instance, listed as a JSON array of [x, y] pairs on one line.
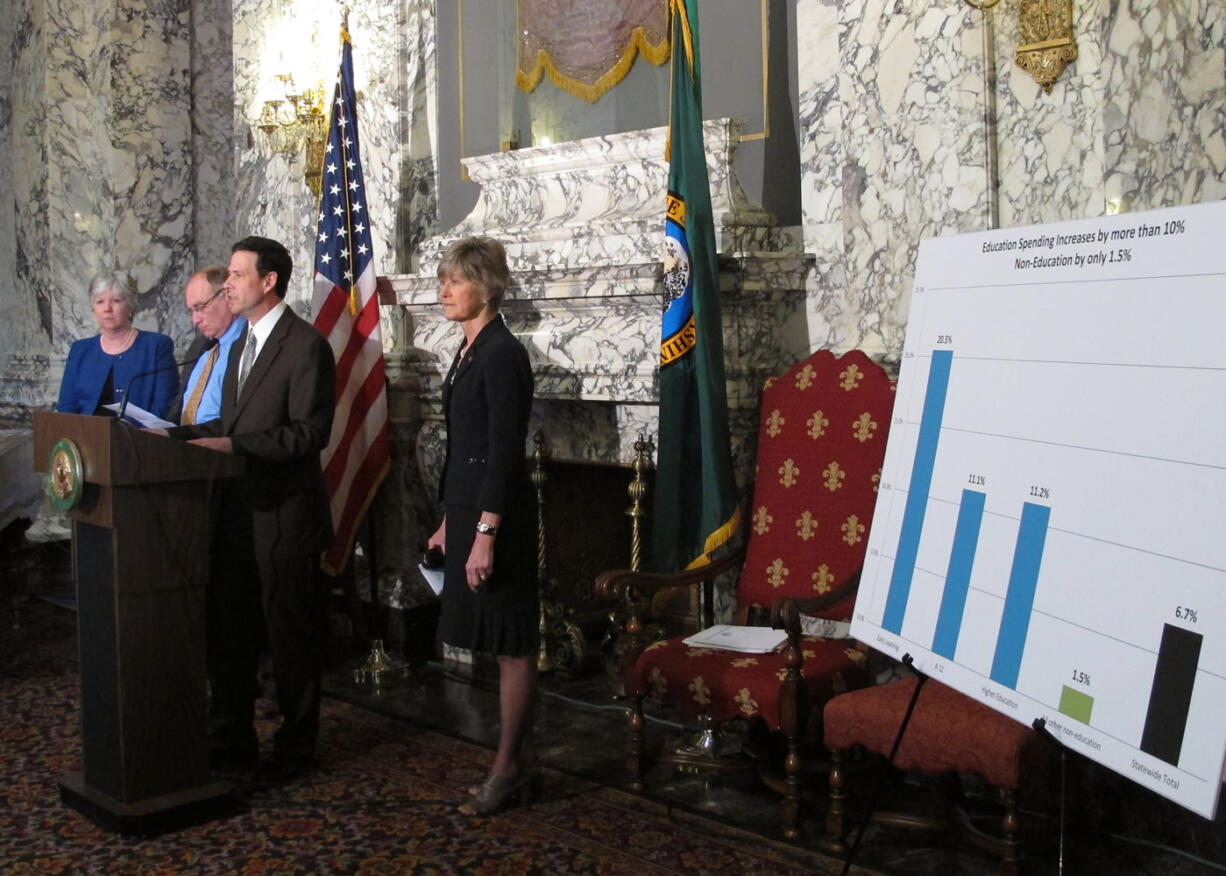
[[347, 314]]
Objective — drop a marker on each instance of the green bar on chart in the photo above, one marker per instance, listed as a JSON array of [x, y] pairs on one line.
[[1075, 704]]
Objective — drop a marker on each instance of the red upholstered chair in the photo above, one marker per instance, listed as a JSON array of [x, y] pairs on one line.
[[821, 442], [947, 733]]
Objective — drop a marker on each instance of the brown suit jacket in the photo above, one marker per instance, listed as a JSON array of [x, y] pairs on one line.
[[280, 424]]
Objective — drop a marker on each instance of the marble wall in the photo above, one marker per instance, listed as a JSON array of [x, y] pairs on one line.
[[1164, 104], [99, 134], [25, 308], [903, 115], [213, 148]]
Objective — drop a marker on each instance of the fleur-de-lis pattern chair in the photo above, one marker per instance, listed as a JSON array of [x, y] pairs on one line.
[[821, 441]]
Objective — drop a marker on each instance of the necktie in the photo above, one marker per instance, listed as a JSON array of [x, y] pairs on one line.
[[244, 365], [193, 402]]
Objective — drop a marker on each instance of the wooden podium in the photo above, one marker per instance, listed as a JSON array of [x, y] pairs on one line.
[[140, 561]]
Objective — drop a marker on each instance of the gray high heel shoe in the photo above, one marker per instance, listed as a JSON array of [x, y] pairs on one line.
[[497, 791], [527, 763]]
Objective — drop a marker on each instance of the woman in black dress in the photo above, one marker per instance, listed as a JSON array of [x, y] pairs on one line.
[[488, 533]]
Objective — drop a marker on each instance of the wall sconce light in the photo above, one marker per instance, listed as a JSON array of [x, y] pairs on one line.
[[1045, 37], [297, 124]]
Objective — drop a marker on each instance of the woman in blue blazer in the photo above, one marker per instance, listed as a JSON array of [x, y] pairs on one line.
[[488, 533], [102, 368]]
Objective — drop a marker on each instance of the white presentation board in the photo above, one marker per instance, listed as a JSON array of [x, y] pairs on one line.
[[1050, 530]]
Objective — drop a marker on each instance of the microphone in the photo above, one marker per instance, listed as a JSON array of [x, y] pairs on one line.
[[127, 393]]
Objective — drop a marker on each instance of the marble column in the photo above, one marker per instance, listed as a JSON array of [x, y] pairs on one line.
[[100, 140]]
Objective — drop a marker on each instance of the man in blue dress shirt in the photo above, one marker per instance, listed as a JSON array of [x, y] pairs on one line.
[[212, 317]]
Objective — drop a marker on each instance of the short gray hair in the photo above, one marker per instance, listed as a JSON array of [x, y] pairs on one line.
[[116, 282], [481, 261]]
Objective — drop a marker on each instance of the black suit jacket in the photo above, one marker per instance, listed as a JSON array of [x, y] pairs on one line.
[[487, 399], [281, 424]]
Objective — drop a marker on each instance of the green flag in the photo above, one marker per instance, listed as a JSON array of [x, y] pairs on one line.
[[695, 495]]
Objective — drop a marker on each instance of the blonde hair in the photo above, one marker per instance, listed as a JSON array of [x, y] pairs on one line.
[[481, 261]]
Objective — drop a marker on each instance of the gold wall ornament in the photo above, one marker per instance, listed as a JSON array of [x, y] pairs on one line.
[[1046, 33], [297, 125]]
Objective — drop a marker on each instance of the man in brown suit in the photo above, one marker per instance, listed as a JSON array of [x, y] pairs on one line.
[[278, 400]]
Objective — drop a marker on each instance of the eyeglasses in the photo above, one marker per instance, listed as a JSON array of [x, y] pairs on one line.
[[204, 305]]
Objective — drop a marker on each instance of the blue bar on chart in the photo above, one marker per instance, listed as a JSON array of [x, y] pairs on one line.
[[917, 496], [1019, 598], [1171, 694], [958, 577]]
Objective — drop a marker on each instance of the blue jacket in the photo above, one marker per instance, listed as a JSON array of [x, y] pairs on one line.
[[87, 368]]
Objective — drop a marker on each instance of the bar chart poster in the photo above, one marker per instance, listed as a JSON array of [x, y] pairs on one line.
[[1050, 530]]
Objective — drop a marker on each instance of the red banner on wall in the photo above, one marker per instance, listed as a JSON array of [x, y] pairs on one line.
[[586, 47]]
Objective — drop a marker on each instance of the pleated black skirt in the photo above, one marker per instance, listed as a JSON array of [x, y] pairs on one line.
[[503, 616]]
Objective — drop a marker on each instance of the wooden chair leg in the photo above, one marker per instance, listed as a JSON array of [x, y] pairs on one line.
[[836, 812], [790, 805], [1011, 852], [634, 756]]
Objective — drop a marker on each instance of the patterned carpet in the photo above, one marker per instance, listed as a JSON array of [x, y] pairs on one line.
[[382, 802]]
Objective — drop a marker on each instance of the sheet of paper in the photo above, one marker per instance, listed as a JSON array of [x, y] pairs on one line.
[[434, 577], [140, 416], [729, 637]]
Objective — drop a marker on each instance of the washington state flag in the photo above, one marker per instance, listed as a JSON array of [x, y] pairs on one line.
[[695, 508]]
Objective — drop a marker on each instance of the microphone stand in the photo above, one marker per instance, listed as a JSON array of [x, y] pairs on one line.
[[127, 393]]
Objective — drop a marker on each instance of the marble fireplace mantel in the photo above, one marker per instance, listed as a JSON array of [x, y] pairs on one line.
[[582, 223]]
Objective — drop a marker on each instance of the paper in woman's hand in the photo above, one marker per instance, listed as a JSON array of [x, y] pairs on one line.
[[434, 577], [431, 566]]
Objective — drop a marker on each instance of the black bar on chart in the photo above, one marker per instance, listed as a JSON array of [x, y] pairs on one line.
[[1169, 698]]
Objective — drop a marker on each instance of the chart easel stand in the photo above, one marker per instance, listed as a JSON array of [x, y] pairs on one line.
[[909, 662]]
